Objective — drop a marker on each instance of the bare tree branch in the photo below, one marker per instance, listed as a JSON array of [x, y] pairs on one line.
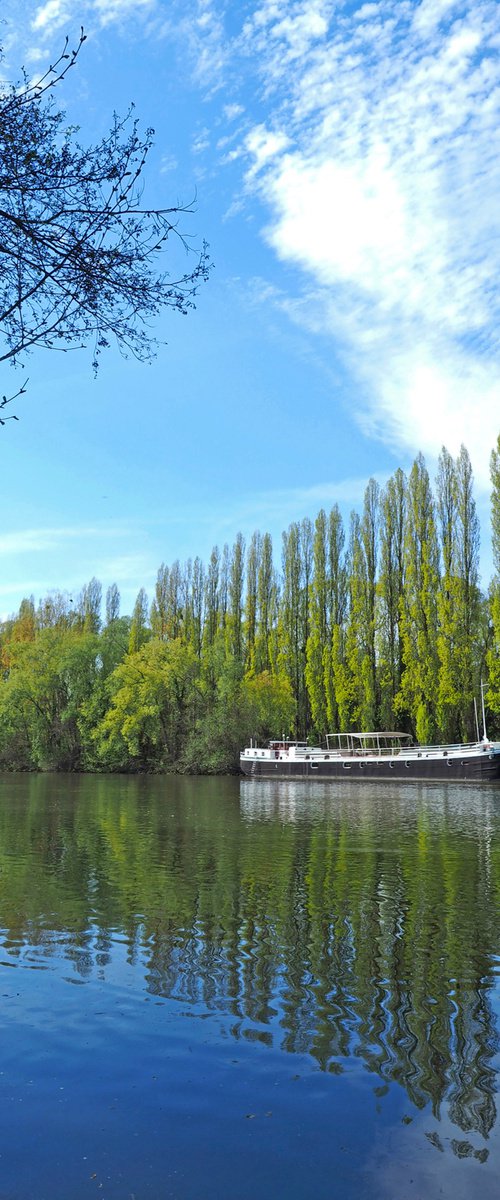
[[81, 257]]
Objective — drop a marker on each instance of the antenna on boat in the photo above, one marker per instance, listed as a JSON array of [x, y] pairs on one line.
[[485, 736], [477, 720]]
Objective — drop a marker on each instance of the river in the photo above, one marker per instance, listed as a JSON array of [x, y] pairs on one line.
[[239, 989]]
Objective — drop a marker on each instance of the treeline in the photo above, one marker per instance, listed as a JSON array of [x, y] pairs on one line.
[[378, 625]]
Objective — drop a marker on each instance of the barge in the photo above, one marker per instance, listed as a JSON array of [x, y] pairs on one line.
[[358, 756]]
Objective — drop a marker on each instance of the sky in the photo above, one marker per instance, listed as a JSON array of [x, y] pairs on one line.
[[344, 163]]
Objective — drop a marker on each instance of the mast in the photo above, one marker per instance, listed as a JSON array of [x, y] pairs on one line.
[[485, 736], [476, 720]]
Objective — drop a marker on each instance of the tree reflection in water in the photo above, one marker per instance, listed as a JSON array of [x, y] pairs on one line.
[[362, 923]]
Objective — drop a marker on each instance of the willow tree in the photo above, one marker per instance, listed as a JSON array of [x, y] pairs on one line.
[[81, 256]]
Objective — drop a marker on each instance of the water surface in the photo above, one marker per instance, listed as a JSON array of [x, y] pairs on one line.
[[225, 988]]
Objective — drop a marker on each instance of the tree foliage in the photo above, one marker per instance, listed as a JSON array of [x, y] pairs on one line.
[[392, 630]]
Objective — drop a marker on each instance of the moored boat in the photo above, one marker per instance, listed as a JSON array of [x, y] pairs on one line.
[[374, 755]]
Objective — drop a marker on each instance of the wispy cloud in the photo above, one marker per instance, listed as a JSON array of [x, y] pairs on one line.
[[378, 165], [52, 16], [25, 541]]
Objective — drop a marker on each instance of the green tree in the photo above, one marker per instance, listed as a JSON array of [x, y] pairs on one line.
[[251, 601], [267, 609], [112, 604], [459, 604], [294, 614], [318, 642], [154, 698], [49, 679], [139, 627], [493, 655], [418, 694], [391, 592], [234, 614], [337, 604]]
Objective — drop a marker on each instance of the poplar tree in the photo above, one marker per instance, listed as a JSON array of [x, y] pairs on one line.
[[458, 597], [211, 600], [318, 640], [469, 596], [493, 657], [234, 616], [197, 604], [90, 603], [159, 606], [391, 589], [294, 613], [418, 693], [370, 543], [112, 604], [139, 629], [448, 599], [354, 682], [337, 605], [251, 601], [267, 609]]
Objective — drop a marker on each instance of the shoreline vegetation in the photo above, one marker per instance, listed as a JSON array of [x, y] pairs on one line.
[[380, 623]]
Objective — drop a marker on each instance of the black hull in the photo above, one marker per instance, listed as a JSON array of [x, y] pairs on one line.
[[480, 769]]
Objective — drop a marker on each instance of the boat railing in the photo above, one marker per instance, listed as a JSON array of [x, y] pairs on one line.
[[447, 746]]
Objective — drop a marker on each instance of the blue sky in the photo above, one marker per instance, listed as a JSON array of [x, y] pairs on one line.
[[346, 163]]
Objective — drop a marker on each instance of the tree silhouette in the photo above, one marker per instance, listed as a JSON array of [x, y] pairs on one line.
[[81, 259]]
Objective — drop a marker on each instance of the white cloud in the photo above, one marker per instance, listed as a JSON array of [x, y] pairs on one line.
[[116, 10], [379, 167], [231, 111], [55, 14], [51, 15]]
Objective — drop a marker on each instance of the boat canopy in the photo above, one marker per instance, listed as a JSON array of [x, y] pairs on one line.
[[376, 741]]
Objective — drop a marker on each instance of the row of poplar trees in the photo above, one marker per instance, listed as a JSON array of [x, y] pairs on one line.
[[378, 625]]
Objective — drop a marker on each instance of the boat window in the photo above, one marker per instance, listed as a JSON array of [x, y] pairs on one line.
[[326, 756]]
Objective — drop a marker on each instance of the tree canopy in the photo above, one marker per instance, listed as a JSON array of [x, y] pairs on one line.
[[386, 627], [81, 257]]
